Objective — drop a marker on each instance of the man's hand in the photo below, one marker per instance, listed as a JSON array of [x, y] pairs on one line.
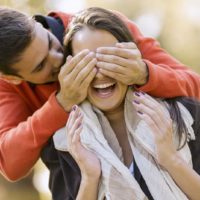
[[75, 77], [123, 63]]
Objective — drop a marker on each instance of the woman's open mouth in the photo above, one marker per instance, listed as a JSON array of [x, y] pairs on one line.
[[104, 90]]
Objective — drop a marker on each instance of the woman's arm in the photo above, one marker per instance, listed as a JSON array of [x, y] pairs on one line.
[[167, 155], [186, 178], [87, 161], [88, 189]]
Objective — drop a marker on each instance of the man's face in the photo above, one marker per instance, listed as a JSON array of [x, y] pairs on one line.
[[41, 61]]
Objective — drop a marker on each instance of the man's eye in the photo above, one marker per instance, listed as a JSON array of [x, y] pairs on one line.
[[50, 42], [40, 67]]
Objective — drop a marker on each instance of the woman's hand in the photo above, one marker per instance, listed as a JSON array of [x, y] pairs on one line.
[[122, 62], [161, 125], [87, 161]]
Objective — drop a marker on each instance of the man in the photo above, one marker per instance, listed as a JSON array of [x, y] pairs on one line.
[[36, 94]]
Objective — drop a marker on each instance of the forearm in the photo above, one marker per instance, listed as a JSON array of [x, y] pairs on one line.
[[88, 189], [166, 82], [167, 76], [22, 139], [185, 177]]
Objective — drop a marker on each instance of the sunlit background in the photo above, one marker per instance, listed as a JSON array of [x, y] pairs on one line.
[[175, 24]]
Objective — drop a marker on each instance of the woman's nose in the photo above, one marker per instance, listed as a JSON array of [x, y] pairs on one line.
[[99, 75]]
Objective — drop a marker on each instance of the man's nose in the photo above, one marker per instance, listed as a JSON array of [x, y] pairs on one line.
[[55, 58]]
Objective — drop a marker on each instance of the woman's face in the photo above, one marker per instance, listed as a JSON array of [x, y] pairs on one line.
[[104, 92]]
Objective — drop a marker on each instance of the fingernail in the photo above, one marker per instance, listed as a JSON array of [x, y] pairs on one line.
[[137, 94], [95, 69], [86, 51], [98, 50], [97, 54], [143, 93], [139, 112], [92, 54], [135, 101], [79, 124], [74, 107]]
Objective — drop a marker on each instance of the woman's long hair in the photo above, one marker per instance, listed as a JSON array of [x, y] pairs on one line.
[[102, 19], [176, 117]]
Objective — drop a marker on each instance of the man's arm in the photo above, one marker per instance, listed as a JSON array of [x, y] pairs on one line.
[[167, 76], [24, 132], [26, 124]]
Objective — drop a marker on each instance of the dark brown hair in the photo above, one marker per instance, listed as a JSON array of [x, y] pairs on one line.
[[16, 33], [97, 18], [176, 116]]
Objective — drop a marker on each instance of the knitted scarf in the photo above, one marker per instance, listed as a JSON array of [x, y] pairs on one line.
[[117, 182]]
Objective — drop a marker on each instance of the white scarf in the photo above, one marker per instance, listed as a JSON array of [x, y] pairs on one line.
[[117, 182]]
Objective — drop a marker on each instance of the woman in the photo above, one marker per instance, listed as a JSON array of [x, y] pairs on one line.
[[136, 128]]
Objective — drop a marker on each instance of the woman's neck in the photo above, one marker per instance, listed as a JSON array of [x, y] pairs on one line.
[[115, 115], [117, 122]]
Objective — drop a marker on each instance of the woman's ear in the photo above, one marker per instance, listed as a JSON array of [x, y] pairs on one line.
[[11, 79]]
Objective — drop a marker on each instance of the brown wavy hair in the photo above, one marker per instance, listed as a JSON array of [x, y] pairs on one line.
[[96, 18]]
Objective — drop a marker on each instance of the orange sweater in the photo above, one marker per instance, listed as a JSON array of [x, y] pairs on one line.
[[29, 115]]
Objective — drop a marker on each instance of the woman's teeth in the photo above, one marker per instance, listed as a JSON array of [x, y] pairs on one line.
[[102, 86]]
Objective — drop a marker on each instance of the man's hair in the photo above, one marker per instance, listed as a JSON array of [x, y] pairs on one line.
[[96, 18], [16, 33]]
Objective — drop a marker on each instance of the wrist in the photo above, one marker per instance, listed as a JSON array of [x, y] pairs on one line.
[[92, 176], [62, 102], [174, 162], [144, 74], [85, 179]]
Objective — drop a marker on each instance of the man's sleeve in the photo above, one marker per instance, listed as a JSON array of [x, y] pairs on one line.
[[167, 76], [23, 132]]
